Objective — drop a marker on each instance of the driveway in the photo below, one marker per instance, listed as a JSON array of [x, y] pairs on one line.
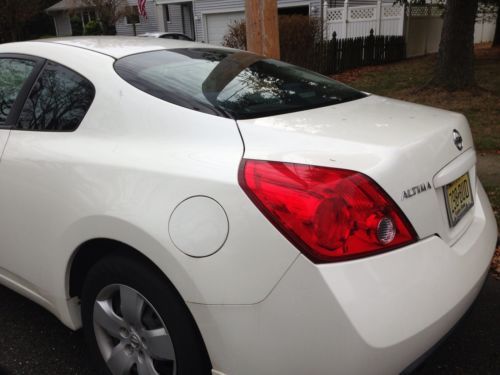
[[32, 341]]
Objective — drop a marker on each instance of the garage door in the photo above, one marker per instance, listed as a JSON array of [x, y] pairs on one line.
[[217, 25]]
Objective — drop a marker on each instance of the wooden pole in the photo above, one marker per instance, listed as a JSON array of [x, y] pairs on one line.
[[262, 27]]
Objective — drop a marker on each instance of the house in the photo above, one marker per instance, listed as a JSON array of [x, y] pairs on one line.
[[63, 11], [208, 20], [70, 16], [202, 20]]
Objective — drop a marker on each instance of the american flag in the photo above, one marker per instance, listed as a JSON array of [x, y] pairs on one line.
[[141, 5]]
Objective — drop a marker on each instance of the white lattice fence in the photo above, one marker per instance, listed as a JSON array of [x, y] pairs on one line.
[[422, 28], [350, 22], [425, 22], [430, 10], [334, 18], [365, 13]]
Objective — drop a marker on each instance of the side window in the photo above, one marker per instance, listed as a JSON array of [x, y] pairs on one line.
[[58, 100], [13, 74]]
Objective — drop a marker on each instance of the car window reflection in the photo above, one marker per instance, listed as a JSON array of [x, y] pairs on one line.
[[13, 74], [58, 101], [231, 83]]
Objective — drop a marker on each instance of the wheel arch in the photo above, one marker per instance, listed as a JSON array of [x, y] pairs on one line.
[[92, 251], [91, 238]]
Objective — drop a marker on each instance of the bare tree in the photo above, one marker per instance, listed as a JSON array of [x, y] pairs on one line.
[[13, 16]]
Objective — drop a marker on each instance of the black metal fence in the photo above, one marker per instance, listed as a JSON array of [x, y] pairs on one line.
[[336, 55]]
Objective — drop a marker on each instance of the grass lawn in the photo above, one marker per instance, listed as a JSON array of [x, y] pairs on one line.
[[406, 80]]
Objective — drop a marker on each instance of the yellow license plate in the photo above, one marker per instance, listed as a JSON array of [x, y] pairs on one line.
[[458, 197]]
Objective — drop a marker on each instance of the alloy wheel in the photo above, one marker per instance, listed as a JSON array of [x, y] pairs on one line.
[[130, 334]]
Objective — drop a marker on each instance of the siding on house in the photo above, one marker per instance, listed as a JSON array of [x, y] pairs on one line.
[[204, 7], [147, 25], [175, 23]]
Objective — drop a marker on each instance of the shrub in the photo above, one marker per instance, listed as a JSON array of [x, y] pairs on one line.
[[236, 36], [93, 28], [298, 34], [76, 25]]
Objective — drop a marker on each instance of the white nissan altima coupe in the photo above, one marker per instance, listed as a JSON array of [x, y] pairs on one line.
[[199, 209]]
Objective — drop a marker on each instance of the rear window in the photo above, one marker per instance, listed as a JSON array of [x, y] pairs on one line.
[[229, 83]]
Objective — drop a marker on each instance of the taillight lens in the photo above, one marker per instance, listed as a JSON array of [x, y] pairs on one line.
[[328, 214]]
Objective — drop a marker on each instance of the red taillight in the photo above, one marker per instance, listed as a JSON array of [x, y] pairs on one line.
[[328, 214]]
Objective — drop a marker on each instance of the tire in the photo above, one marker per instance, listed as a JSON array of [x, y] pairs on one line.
[[135, 322]]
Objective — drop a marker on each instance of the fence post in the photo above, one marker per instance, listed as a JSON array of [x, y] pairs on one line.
[[344, 21], [325, 20], [333, 46], [369, 50], [407, 32], [378, 17], [402, 19]]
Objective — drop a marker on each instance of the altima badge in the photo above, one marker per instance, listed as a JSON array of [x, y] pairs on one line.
[[411, 192], [457, 139]]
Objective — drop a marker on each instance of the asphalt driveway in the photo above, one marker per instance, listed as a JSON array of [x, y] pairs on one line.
[[32, 341]]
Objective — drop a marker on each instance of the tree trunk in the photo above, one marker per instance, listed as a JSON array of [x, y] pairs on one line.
[[496, 39], [455, 69]]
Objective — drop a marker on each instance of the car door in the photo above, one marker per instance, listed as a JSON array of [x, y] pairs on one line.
[[51, 109], [17, 73]]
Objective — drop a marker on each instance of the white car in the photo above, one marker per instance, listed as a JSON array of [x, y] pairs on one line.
[[167, 35], [202, 209]]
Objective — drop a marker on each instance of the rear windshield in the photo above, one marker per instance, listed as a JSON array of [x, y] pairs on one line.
[[230, 83]]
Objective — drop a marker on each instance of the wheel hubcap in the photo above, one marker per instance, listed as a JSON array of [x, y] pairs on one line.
[[132, 337]]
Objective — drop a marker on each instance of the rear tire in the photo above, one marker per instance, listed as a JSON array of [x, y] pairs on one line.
[[135, 322]]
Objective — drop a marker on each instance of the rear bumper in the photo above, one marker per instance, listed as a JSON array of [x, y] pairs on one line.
[[420, 360], [375, 315]]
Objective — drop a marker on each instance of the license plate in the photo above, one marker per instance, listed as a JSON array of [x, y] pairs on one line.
[[458, 197]]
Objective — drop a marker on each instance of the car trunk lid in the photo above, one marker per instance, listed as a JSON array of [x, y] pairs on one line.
[[408, 149]]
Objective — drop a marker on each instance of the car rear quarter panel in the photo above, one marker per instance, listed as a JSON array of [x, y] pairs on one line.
[[120, 175]]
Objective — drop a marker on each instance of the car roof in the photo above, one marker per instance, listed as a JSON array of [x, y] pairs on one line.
[[121, 46]]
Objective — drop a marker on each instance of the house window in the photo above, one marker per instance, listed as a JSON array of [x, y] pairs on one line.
[[133, 15]]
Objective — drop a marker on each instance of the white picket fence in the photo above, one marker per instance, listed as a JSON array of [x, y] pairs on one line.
[[351, 22], [420, 24]]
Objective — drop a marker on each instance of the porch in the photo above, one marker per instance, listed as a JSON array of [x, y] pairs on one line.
[[70, 16]]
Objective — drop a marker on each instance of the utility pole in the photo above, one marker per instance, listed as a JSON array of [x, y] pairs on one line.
[[262, 27]]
